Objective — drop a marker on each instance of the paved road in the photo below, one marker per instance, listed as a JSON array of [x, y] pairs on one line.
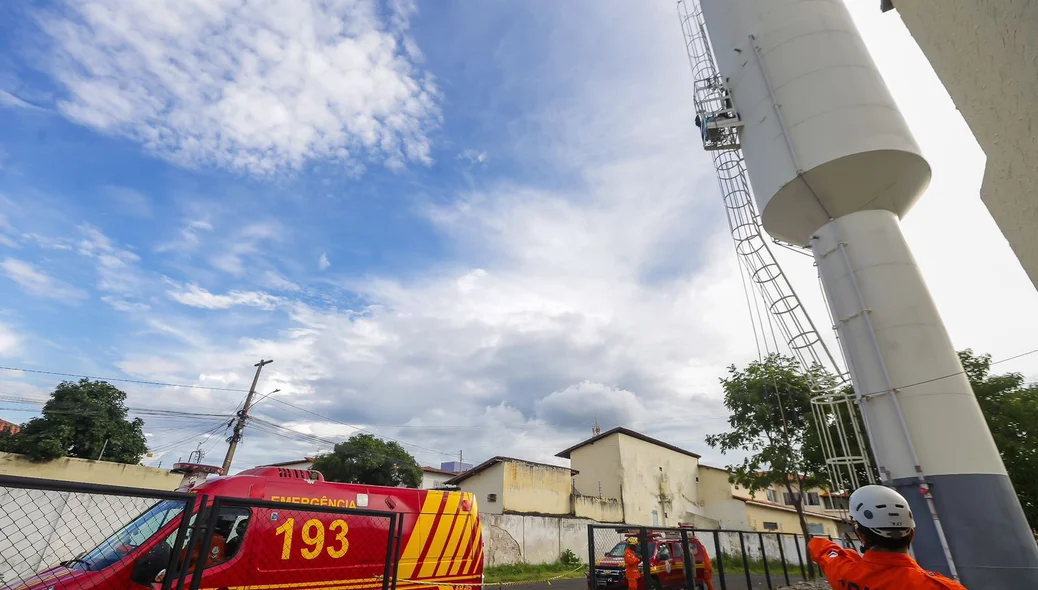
[[732, 582]]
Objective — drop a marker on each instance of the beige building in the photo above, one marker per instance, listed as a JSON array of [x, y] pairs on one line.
[[653, 482], [767, 510], [985, 51], [503, 485], [88, 471]]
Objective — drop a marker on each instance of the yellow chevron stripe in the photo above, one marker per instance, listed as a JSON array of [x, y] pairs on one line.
[[477, 547], [439, 541], [455, 568], [453, 549], [422, 530], [345, 584]]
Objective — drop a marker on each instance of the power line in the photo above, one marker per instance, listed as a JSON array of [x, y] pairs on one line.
[[121, 380]]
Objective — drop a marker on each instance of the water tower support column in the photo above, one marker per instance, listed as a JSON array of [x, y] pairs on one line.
[[927, 428]]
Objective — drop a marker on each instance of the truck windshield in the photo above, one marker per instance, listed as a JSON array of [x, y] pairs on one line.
[[618, 551], [129, 537]]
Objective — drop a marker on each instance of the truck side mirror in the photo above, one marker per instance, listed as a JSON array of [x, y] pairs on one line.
[[151, 564]]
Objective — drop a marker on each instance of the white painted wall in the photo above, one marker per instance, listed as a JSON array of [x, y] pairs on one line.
[[600, 472], [648, 470], [984, 53], [489, 481]]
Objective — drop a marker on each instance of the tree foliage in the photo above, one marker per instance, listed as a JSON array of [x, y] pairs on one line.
[[770, 417], [366, 459], [1010, 407], [78, 421]]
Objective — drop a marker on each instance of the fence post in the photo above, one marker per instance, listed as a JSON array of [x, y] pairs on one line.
[[591, 557], [687, 562], [720, 560], [643, 536], [387, 571], [782, 556], [800, 555], [196, 527], [207, 541], [745, 562], [397, 542], [174, 566], [764, 556]]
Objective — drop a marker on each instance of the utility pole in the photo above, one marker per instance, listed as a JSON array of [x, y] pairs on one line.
[[239, 426]]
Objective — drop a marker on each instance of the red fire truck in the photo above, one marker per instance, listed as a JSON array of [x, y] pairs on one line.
[[264, 545], [666, 563]]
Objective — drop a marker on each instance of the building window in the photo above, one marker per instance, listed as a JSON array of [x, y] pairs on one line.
[[655, 518], [815, 528], [812, 499], [789, 499], [771, 526], [771, 495]]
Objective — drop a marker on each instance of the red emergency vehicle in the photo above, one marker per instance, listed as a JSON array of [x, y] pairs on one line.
[[666, 564], [287, 548]]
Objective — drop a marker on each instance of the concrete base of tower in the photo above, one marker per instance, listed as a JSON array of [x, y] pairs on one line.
[[986, 529]]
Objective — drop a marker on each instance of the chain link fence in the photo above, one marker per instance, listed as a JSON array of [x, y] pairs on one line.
[[52, 530], [75, 535]]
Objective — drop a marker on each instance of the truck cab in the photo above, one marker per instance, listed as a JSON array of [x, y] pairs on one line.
[[666, 564]]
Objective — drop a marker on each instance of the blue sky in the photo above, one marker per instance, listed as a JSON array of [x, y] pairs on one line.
[[445, 222]]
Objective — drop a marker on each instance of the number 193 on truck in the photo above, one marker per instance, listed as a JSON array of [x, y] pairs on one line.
[[286, 529]]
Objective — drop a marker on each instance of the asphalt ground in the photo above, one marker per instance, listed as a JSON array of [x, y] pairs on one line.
[[736, 581]]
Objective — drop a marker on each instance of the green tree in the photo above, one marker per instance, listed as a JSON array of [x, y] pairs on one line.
[[80, 420], [770, 417], [1010, 407], [369, 460]]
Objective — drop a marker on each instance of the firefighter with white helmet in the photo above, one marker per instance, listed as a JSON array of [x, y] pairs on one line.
[[885, 526]]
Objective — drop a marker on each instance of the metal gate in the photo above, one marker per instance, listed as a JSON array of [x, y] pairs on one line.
[[81, 535], [710, 558]]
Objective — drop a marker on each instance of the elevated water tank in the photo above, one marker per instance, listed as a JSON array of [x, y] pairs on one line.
[[846, 135]]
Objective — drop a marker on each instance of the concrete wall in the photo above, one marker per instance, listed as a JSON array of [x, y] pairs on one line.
[[520, 538], [86, 471], [541, 489], [984, 53], [600, 472], [600, 509], [489, 481], [651, 471], [716, 495]]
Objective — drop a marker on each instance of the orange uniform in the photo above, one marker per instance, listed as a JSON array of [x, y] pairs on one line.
[[704, 569], [633, 567], [877, 570]]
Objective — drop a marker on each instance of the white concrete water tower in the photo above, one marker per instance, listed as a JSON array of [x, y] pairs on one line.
[[834, 167]]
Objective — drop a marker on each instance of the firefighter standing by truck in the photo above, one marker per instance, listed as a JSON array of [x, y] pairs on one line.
[[632, 564]]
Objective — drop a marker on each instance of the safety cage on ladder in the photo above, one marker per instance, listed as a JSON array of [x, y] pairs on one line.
[[718, 120]]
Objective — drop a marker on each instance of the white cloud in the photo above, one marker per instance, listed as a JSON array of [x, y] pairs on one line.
[[244, 244], [195, 296], [116, 267], [189, 238], [9, 100], [322, 262], [473, 156], [273, 280], [9, 341], [260, 86], [128, 201], [36, 282]]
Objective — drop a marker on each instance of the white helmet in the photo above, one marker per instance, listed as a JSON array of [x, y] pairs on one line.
[[882, 511]]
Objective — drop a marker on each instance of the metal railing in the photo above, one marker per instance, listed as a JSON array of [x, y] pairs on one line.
[[80, 535], [721, 559]]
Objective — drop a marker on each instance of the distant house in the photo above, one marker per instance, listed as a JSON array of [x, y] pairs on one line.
[[304, 463], [9, 427], [504, 485]]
